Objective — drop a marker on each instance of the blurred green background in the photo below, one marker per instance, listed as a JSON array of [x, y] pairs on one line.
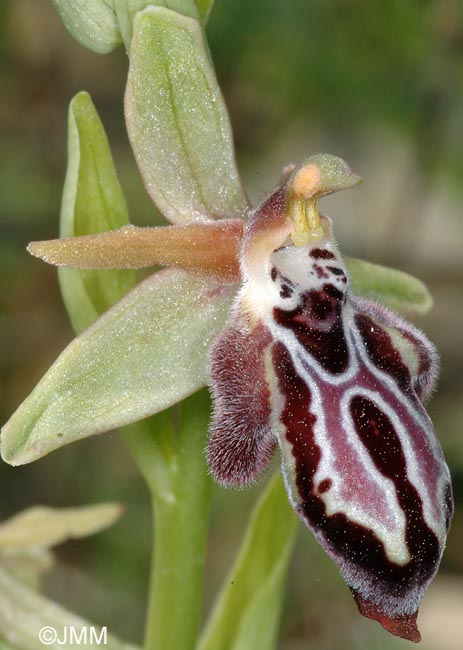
[[375, 83]]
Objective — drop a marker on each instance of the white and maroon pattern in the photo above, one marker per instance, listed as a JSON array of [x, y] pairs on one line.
[[337, 382]]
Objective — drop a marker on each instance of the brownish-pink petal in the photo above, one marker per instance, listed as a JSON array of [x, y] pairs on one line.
[[211, 249]]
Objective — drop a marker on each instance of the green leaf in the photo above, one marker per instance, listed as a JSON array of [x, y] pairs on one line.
[[44, 526], [93, 202], [91, 22], [27, 564], [144, 354], [247, 611], [4, 646], [127, 9], [395, 289], [26, 537], [178, 123], [24, 613]]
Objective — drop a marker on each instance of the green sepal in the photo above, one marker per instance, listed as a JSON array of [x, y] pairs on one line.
[[204, 8], [147, 352], [91, 22], [127, 9], [395, 289], [247, 611], [178, 123], [92, 202]]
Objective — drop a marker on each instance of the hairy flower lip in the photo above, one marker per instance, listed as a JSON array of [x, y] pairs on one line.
[[338, 383]]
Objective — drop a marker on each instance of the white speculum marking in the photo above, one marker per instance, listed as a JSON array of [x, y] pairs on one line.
[[392, 530], [423, 422], [296, 269]]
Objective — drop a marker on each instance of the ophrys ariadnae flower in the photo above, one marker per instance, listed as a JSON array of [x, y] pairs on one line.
[[336, 381]]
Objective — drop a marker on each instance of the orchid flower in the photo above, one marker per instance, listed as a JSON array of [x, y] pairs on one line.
[[335, 380], [260, 305]]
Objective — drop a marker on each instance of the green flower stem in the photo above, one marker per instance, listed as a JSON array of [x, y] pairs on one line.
[[169, 450], [246, 613]]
